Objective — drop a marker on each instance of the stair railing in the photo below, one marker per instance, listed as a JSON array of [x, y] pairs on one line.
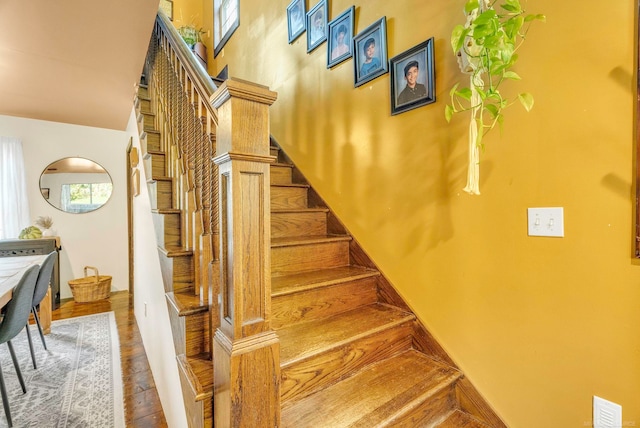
[[180, 90], [225, 210]]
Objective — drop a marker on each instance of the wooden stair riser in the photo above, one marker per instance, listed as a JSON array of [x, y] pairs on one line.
[[189, 332], [281, 174], [298, 223], [163, 194], [299, 258], [177, 272], [151, 142], [148, 120], [144, 105], [167, 229], [303, 378], [155, 164], [143, 91], [198, 404], [288, 197], [323, 302]]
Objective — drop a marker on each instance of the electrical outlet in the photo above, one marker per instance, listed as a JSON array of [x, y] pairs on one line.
[[606, 414], [546, 221]]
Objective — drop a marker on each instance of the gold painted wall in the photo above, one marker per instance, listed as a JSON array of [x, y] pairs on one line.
[[539, 325]]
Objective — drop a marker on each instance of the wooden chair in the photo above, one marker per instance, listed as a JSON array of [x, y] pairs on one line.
[[42, 285], [15, 318]]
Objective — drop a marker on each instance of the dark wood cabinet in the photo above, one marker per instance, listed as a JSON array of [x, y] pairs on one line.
[[31, 247]]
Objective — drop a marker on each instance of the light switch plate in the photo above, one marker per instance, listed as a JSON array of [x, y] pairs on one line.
[[546, 221]]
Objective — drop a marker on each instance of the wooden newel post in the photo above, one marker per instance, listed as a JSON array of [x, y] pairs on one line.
[[246, 349]]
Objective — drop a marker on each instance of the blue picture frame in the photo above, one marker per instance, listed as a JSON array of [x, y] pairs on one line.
[[370, 52], [296, 19], [340, 37], [317, 19]]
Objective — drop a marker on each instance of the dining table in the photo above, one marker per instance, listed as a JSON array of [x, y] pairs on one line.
[[11, 270]]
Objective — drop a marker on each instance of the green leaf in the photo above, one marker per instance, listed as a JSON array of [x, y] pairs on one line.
[[514, 4], [464, 93], [513, 26], [485, 17], [527, 100], [457, 37], [538, 17], [509, 8], [481, 31], [511, 75], [448, 112], [471, 5], [492, 109]]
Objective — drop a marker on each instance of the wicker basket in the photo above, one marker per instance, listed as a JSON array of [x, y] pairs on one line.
[[90, 288]]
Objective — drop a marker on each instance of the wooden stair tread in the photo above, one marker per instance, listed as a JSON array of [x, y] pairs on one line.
[[459, 419], [158, 178], [282, 164], [199, 372], [166, 211], [186, 304], [299, 210], [287, 284], [175, 252], [304, 340], [306, 186], [375, 396], [306, 240]]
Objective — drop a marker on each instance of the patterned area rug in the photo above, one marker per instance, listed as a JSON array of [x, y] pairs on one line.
[[78, 382]]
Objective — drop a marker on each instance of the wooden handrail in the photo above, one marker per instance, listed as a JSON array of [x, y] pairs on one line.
[[202, 81]]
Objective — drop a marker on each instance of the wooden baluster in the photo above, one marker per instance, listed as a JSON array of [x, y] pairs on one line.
[[246, 349]]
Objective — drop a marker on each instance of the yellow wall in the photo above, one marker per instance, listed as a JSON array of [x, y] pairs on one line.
[[539, 325]]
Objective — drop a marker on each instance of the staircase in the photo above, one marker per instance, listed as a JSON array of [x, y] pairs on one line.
[[351, 352], [351, 356]]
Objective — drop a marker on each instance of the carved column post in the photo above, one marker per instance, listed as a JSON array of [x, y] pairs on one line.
[[246, 350]]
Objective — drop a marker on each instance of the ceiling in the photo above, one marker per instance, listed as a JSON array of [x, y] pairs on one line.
[[73, 61]]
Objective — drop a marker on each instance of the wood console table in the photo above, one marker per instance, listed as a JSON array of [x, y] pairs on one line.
[[34, 247]]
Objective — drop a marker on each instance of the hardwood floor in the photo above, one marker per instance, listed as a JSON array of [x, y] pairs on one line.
[[141, 402]]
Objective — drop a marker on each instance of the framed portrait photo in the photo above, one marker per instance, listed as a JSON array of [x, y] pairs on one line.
[[226, 18], [296, 18], [317, 25], [412, 78], [340, 36], [370, 52]]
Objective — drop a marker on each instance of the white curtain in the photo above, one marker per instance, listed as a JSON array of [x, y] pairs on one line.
[[14, 202]]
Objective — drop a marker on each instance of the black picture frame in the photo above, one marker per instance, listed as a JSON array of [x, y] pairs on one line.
[[338, 49], [296, 19], [45, 192], [317, 25], [415, 63], [366, 71], [226, 19]]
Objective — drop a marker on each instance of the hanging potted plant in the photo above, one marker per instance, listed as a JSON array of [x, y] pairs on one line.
[[486, 47]]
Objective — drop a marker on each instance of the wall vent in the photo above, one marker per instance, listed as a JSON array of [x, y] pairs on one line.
[[606, 414]]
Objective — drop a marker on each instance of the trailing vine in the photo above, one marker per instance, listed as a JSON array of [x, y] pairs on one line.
[[486, 47]]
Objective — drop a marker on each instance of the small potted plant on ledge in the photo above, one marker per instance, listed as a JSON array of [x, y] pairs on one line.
[[192, 37]]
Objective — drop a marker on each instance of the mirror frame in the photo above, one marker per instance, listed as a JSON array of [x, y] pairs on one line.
[[93, 168]]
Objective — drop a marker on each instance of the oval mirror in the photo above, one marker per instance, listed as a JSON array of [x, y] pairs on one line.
[[76, 185]]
